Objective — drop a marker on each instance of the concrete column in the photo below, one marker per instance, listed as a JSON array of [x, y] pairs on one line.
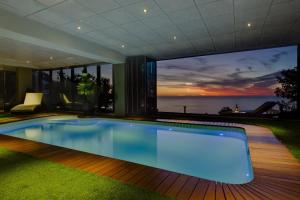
[[119, 89], [24, 82]]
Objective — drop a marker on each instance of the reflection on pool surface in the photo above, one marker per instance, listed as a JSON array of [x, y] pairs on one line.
[[214, 153]]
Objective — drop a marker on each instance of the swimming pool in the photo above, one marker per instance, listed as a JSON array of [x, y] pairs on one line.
[[213, 153]]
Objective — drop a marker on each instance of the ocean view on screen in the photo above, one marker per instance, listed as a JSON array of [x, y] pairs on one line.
[[231, 82]]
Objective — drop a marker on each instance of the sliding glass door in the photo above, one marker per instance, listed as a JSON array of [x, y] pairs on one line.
[[60, 87], [7, 89]]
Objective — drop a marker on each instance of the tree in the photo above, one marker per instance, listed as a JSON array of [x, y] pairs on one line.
[[106, 92], [86, 87], [289, 85]]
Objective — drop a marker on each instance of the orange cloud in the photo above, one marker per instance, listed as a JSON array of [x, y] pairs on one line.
[[209, 91]]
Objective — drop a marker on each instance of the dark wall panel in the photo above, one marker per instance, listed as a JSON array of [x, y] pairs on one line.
[[140, 85]]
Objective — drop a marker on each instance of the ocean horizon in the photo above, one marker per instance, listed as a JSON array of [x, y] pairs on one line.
[[210, 104]]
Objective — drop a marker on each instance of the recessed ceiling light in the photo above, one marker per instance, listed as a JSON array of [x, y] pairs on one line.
[[145, 11], [51, 58], [27, 61], [249, 25], [174, 37], [78, 27], [123, 46]]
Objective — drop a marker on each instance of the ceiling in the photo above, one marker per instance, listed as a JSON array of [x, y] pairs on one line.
[[23, 54], [168, 28]]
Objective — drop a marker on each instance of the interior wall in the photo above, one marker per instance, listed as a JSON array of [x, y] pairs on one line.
[[24, 82]]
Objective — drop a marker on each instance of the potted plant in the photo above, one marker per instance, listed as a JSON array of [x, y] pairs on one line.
[[86, 88]]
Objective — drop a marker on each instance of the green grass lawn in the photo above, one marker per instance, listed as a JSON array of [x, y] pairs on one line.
[[4, 115], [26, 177]]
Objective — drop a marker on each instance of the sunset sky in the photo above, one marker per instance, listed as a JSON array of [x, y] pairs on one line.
[[249, 73]]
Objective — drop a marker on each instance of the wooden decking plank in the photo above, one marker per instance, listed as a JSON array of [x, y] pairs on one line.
[[95, 166], [211, 191], [166, 184], [269, 194], [140, 175], [290, 188], [55, 151], [200, 190], [88, 162], [148, 177], [256, 191], [227, 192], [189, 186], [285, 195], [113, 169], [62, 156], [157, 180], [220, 192], [107, 165], [80, 160], [245, 193], [42, 151], [236, 193], [126, 168], [132, 173], [177, 185]]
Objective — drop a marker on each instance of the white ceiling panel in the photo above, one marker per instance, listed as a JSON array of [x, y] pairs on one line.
[[24, 7], [119, 16], [255, 24], [202, 44], [73, 28], [215, 8], [184, 15], [174, 5], [250, 14], [99, 6], [136, 26], [98, 22], [224, 42], [71, 10], [281, 19], [157, 21], [49, 2], [285, 8], [50, 18], [252, 4], [137, 9], [197, 34], [187, 28], [115, 32], [222, 24], [127, 2]]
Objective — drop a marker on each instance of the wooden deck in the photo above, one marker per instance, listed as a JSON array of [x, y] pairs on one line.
[[276, 171]]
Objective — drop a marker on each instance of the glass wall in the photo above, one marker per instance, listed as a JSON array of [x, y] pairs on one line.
[[241, 82], [45, 86], [1, 91], [7, 89], [60, 87], [106, 88]]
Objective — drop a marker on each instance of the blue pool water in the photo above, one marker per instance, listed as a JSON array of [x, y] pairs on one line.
[[213, 153]]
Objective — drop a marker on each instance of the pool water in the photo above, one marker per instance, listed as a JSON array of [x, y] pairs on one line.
[[213, 153]]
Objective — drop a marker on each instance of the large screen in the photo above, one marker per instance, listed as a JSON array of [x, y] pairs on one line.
[[206, 84]]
